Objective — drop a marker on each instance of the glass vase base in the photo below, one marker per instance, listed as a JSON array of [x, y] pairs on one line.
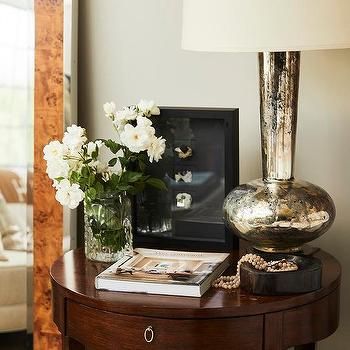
[[101, 256], [108, 229], [96, 251]]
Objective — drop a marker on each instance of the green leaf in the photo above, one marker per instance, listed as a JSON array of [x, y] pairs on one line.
[[132, 176], [127, 188], [59, 178], [82, 182], [85, 171], [142, 166], [145, 177], [91, 193], [113, 162], [75, 177], [112, 145], [139, 187], [98, 187], [114, 180], [91, 180], [124, 162], [157, 183]]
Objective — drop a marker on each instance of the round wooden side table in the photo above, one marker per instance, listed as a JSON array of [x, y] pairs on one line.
[[221, 319]]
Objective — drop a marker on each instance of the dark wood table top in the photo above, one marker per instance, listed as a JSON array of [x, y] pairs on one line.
[[73, 276]]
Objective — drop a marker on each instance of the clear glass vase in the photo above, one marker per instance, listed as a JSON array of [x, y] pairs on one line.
[[108, 230]]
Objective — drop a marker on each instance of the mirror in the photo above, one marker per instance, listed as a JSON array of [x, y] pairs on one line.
[[16, 169]]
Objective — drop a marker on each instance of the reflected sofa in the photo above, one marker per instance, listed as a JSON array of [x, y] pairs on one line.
[[16, 274]]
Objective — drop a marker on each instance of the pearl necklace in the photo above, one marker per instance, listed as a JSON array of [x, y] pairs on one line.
[[232, 282]]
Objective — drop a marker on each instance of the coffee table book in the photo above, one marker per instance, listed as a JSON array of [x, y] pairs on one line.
[[164, 272]]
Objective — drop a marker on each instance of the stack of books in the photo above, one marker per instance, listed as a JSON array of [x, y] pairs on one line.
[[164, 272]]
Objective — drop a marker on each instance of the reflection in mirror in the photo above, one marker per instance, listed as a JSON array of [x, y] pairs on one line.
[[16, 169]]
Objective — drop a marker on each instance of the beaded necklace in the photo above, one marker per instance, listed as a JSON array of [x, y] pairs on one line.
[[232, 282]]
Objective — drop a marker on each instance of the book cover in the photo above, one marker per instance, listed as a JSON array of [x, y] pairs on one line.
[[164, 272]]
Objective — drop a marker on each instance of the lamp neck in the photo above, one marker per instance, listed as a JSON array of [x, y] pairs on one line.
[[279, 85]]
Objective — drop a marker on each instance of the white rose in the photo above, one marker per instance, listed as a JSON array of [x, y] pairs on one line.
[[109, 109], [55, 150], [143, 121], [138, 138], [74, 153], [57, 168], [92, 146], [156, 149], [74, 137], [69, 195], [120, 117], [127, 113], [148, 108]]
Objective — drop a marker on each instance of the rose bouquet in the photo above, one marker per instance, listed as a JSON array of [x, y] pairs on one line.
[[104, 173]]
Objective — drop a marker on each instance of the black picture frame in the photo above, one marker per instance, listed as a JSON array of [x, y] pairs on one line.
[[230, 121]]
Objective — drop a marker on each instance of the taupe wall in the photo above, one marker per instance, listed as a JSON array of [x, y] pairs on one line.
[[130, 49]]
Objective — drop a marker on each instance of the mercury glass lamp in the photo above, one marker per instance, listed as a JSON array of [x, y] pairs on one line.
[[276, 213]]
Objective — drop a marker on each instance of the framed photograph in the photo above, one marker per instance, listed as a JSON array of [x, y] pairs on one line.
[[200, 166]]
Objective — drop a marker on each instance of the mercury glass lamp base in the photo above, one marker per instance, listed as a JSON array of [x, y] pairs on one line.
[[279, 250], [278, 216]]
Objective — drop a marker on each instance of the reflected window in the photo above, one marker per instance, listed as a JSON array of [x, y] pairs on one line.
[[16, 158], [16, 83]]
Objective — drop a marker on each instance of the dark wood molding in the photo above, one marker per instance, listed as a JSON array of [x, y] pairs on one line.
[[48, 125]]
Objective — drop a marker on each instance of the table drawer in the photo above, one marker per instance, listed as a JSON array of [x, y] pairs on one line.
[[98, 329]]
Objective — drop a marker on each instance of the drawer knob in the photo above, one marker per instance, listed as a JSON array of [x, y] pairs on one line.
[[148, 334]]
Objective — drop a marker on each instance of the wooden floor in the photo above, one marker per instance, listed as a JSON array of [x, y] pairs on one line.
[[16, 341]]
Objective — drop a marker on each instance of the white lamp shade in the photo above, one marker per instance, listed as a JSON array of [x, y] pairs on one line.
[[265, 25]]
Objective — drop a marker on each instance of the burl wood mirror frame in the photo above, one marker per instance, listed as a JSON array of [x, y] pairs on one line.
[[48, 125]]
